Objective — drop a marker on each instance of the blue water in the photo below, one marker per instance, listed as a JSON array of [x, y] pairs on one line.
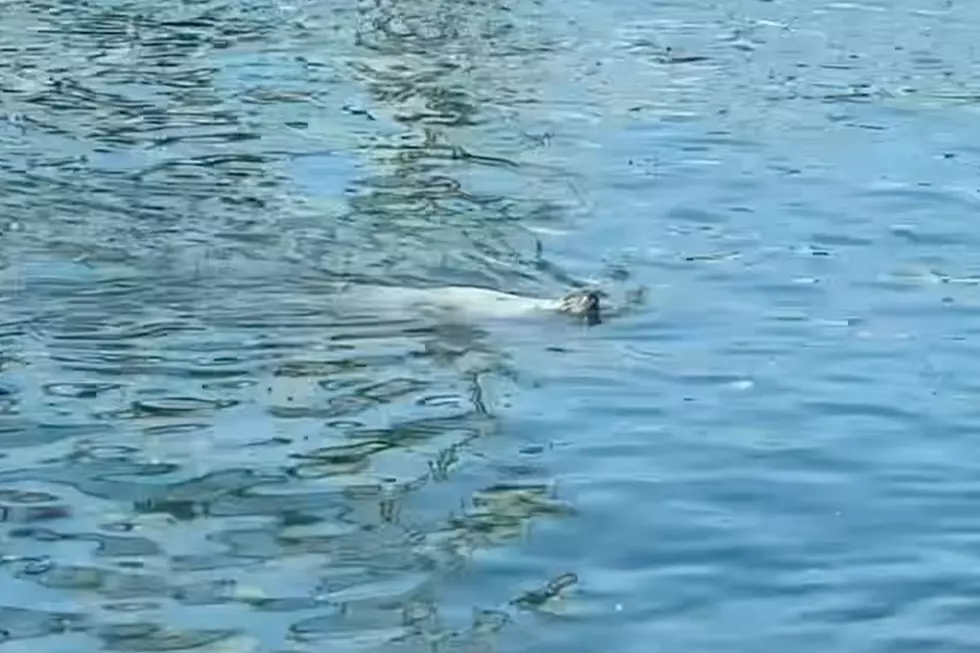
[[203, 448]]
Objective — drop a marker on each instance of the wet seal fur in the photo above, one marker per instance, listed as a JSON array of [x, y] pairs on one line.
[[478, 303]]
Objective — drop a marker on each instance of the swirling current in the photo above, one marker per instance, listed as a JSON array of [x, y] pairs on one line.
[[204, 448]]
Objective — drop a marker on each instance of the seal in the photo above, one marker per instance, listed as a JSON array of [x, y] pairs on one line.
[[478, 303]]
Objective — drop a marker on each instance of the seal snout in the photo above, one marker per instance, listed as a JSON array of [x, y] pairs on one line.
[[592, 313]]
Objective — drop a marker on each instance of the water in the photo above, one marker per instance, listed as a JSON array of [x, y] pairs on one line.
[[203, 450]]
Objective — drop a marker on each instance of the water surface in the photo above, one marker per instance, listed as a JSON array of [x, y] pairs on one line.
[[200, 450]]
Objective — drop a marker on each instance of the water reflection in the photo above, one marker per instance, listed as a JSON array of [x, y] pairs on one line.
[[450, 180], [193, 434]]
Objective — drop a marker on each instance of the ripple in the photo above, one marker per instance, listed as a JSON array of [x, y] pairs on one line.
[[79, 390], [179, 406], [22, 623], [110, 584], [147, 636]]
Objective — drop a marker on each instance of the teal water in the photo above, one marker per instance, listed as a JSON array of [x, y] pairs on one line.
[[202, 448]]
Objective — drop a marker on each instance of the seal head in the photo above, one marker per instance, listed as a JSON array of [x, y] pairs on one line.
[[584, 303]]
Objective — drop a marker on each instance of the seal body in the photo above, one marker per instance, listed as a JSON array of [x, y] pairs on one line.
[[472, 302]]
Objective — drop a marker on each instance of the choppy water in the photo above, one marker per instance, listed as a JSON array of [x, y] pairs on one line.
[[201, 451]]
